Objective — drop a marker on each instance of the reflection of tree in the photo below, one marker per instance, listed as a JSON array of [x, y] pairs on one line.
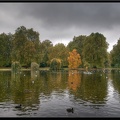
[[5, 86], [56, 76], [52, 81], [74, 79], [34, 75], [15, 76], [31, 84], [115, 76], [93, 88], [25, 87], [24, 91]]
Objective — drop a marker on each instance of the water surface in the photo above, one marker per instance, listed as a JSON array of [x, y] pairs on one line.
[[51, 94]]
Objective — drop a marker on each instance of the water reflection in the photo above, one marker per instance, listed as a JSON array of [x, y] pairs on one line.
[[89, 87], [34, 75], [74, 79], [4, 86], [115, 76], [45, 93], [53, 83], [24, 92]]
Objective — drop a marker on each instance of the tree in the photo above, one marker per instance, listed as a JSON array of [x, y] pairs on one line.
[[74, 59], [18, 44], [55, 64], [25, 46], [115, 55], [45, 58], [5, 49], [107, 62], [29, 52], [33, 36], [44, 51], [59, 51], [95, 50], [77, 44]]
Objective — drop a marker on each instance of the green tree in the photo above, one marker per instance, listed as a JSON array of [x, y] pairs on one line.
[[44, 51], [25, 46], [107, 62], [29, 52], [95, 50], [33, 36], [5, 49], [45, 59], [18, 44], [59, 51], [115, 55], [77, 44]]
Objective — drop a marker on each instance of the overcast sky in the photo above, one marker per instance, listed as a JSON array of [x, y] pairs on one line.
[[60, 22]]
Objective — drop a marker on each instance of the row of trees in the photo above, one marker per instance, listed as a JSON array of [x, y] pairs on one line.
[[25, 47], [93, 49], [115, 55]]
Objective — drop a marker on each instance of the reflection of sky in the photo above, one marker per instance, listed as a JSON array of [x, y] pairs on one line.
[[56, 105], [110, 89], [112, 96], [113, 105]]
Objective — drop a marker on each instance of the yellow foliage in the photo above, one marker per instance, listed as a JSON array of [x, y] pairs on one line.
[[74, 59], [74, 80], [56, 59]]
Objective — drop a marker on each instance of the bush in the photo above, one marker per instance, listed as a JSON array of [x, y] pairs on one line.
[[55, 64], [43, 64]]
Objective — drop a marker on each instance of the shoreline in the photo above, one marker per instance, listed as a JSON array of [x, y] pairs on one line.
[[47, 68]]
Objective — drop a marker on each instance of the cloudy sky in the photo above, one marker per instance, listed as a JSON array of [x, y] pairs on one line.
[[60, 22]]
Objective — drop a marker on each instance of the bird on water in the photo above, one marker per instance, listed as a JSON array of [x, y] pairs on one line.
[[70, 110], [19, 106]]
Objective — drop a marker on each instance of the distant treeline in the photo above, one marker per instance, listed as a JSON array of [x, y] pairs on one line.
[[25, 47]]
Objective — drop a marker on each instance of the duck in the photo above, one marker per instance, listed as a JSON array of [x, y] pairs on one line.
[[71, 82], [70, 110], [19, 106]]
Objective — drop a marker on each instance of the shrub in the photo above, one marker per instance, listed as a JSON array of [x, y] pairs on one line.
[[55, 64]]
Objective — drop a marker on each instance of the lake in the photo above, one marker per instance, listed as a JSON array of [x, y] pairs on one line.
[[60, 94]]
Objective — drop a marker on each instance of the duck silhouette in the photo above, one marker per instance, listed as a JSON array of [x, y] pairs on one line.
[[71, 82], [70, 110], [19, 106]]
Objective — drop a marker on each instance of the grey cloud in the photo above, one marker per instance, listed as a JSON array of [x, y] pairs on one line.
[[66, 14]]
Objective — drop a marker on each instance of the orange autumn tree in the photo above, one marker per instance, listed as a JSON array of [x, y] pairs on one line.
[[74, 59]]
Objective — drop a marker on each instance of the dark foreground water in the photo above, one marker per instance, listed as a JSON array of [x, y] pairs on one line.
[[54, 94]]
